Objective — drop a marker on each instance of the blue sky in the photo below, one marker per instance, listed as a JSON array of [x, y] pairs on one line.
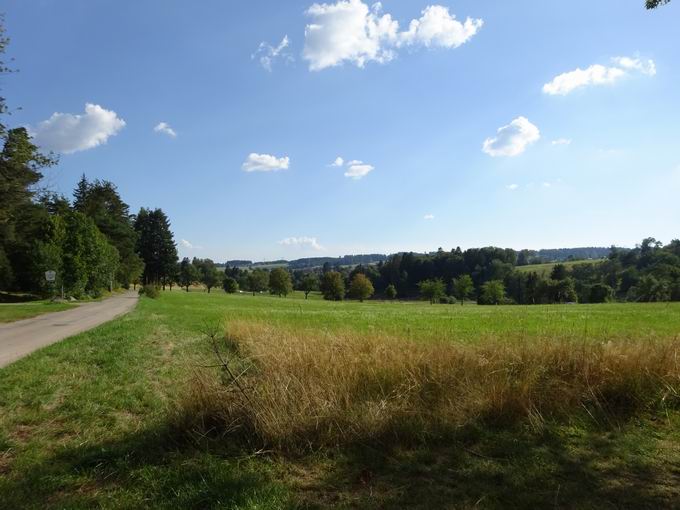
[[585, 95]]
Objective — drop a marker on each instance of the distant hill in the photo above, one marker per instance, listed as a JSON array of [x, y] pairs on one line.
[[564, 254], [545, 256]]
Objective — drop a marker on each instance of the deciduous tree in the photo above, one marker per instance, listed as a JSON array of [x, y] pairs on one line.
[[361, 287]]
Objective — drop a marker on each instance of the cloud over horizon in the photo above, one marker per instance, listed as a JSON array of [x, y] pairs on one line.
[[164, 128], [302, 242], [68, 133]]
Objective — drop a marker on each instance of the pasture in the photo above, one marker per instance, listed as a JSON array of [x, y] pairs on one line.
[[107, 418]]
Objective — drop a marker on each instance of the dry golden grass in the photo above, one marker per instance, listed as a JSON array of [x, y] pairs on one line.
[[305, 390]]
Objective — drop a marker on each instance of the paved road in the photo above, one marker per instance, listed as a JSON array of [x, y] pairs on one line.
[[17, 339]]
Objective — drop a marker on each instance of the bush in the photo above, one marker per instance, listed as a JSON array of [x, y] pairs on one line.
[[230, 285], [150, 291], [447, 300]]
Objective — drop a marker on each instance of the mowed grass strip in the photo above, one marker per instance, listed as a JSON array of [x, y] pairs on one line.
[[89, 422], [10, 312]]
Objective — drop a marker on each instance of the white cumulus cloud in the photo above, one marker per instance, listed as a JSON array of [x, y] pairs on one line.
[[302, 242], [350, 31], [338, 162], [598, 74], [68, 133], [164, 128], [265, 163], [513, 139], [358, 169], [428, 217], [512, 187], [268, 54]]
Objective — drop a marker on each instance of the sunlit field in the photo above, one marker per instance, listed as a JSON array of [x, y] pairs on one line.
[[348, 405]]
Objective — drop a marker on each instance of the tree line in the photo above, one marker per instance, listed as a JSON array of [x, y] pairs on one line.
[[489, 276]]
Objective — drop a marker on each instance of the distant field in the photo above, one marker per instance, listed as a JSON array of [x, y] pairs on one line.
[[13, 312], [88, 422], [546, 269], [420, 320]]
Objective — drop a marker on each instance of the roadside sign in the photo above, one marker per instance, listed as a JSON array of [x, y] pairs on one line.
[[50, 276]]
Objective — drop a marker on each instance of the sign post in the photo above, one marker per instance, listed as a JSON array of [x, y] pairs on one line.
[[51, 276]]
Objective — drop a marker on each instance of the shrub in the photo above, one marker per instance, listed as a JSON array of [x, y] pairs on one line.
[[307, 389], [230, 285], [150, 291], [391, 292]]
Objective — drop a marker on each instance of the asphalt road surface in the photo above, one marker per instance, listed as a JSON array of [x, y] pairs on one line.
[[17, 339]]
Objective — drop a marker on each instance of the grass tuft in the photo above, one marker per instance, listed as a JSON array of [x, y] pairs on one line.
[[304, 390]]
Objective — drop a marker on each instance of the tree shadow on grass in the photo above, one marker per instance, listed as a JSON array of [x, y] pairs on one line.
[[149, 469], [501, 469], [477, 467]]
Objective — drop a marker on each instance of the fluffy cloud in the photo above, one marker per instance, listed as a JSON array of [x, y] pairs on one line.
[[513, 139], [561, 141], [188, 245], [68, 133], [268, 54], [302, 242], [350, 31], [164, 128], [265, 163], [598, 74], [354, 169], [428, 217], [512, 187], [437, 27], [358, 169]]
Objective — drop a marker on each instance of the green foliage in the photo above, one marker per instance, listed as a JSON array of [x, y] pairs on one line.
[[559, 272], [155, 245], [361, 287], [463, 287], [493, 293], [230, 285], [432, 290], [151, 291], [310, 283], [653, 4], [280, 282], [600, 293], [258, 280], [188, 274], [89, 261], [208, 274], [332, 286], [101, 201], [391, 292]]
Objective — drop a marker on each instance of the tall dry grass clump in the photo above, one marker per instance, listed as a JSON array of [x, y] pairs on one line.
[[305, 389]]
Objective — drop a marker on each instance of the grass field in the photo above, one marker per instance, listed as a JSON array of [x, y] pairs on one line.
[[546, 269], [90, 422], [10, 312]]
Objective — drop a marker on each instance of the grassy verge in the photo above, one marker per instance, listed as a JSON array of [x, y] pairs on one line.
[[88, 422], [11, 312]]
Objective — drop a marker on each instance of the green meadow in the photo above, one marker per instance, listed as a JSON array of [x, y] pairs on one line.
[[89, 422], [10, 312]]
